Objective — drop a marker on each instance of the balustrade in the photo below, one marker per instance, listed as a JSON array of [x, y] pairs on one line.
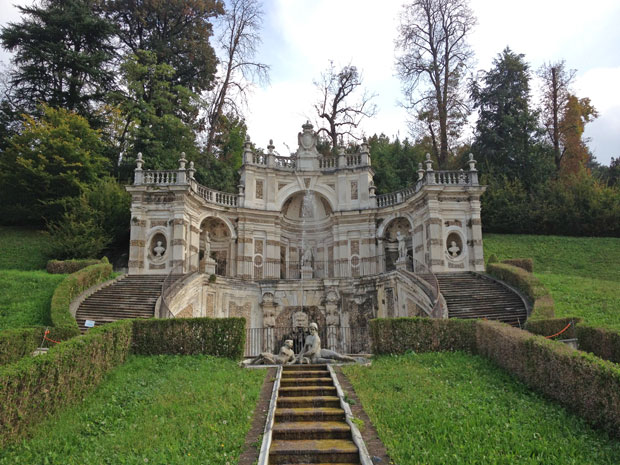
[[160, 177], [451, 177], [354, 159], [220, 198], [328, 162], [286, 163]]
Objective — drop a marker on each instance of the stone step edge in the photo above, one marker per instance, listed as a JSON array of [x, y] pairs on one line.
[[263, 456], [348, 414], [75, 303]]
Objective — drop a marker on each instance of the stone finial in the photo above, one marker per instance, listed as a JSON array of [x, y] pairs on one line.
[[429, 162], [270, 147], [182, 161], [420, 171], [139, 162], [307, 126], [472, 163], [191, 170]]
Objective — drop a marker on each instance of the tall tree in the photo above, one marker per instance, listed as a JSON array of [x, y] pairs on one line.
[[238, 40], [343, 103], [575, 154], [176, 31], [507, 131], [62, 56], [556, 80], [434, 51]]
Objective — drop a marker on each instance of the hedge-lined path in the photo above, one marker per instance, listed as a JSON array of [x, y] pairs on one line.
[[133, 296], [472, 295], [309, 425]]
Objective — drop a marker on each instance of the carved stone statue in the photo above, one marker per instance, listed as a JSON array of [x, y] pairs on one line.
[[454, 249], [159, 249], [312, 352], [402, 246], [285, 357], [206, 244], [306, 259]]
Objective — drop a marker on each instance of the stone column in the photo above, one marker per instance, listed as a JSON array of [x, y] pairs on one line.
[[178, 245], [476, 257], [434, 240], [137, 245]]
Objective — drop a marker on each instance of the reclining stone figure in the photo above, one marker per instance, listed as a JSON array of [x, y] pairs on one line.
[[312, 352], [285, 357]]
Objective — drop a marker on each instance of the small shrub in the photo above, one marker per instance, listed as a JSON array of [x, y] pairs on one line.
[[37, 387], [224, 337], [73, 286], [492, 259], [601, 342], [68, 266], [548, 327], [526, 264], [399, 335]]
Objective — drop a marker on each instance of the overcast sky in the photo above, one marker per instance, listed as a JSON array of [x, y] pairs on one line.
[[301, 36]]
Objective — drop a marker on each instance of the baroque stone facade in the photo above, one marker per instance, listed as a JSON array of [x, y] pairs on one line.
[[312, 220]]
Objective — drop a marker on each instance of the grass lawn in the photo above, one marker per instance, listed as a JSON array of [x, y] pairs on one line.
[[25, 297], [454, 408], [152, 410], [23, 249], [582, 273]]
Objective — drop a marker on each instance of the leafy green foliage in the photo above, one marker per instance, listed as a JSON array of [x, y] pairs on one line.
[[395, 163], [601, 342], [25, 297], [51, 162], [62, 52], [62, 376], [18, 343], [68, 266], [439, 408], [152, 410], [551, 326], [582, 274], [160, 110], [224, 337]]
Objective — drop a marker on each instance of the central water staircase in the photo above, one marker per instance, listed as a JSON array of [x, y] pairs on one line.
[[309, 423], [133, 296], [472, 295]]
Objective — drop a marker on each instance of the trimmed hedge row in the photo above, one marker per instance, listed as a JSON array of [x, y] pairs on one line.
[[602, 342], [527, 283], [70, 266], [223, 337], [579, 381], [526, 264], [36, 387], [399, 335], [73, 286], [548, 327], [19, 342]]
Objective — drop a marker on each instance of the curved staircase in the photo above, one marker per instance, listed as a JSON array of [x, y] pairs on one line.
[[472, 295], [133, 296]]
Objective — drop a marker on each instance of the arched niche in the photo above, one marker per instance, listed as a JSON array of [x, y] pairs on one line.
[[389, 238], [217, 242]]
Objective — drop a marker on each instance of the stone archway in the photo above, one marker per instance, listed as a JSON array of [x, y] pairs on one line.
[[397, 224], [217, 243]]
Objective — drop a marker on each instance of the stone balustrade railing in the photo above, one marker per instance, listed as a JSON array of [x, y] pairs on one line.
[[459, 178], [328, 163], [394, 198], [286, 163], [354, 159], [217, 197], [158, 177]]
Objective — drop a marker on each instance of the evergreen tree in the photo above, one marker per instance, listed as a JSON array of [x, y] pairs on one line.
[[62, 56], [507, 138]]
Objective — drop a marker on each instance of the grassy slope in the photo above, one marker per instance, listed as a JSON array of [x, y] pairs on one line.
[[582, 274], [155, 410], [455, 408], [25, 289]]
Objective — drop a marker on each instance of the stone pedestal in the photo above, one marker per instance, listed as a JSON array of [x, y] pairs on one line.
[[401, 264], [306, 272], [209, 265]]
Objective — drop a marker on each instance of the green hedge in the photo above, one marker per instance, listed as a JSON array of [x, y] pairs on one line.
[[601, 342], [527, 283], [19, 342], [550, 326], [72, 287], [70, 266], [224, 337], [36, 387], [526, 264], [399, 335], [581, 382]]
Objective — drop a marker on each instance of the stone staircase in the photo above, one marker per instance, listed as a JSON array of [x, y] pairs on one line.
[[130, 297], [309, 424], [472, 295]]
